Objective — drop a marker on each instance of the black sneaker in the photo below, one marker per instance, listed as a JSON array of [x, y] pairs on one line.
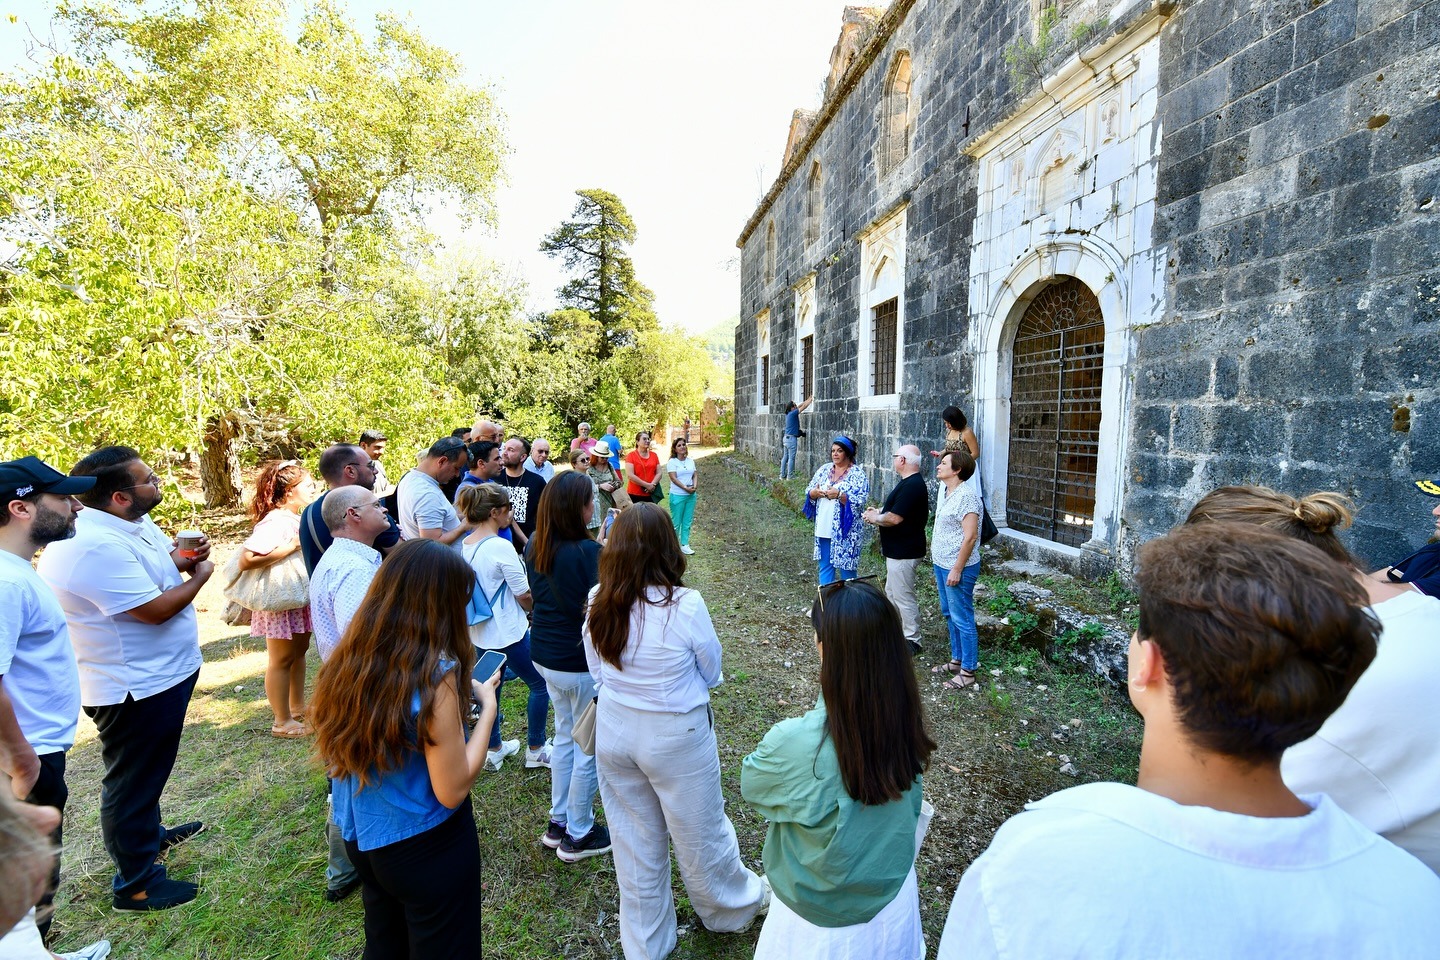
[[336, 894], [162, 896], [174, 836], [594, 843], [554, 835]]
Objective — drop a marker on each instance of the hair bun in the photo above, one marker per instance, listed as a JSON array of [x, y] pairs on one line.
[[1321, 512]]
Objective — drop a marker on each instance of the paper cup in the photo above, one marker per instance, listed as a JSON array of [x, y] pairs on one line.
[[189, 543]]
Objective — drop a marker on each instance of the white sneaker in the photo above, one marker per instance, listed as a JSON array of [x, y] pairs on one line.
[[685, 549], [538, 758], [98, 950], [495, 759]]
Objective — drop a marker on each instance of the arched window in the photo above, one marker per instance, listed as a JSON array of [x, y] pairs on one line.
[[1056, 368], [814, 205], [770, 252], [895, 118]]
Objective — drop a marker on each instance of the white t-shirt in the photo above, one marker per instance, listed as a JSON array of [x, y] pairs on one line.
[[111, 566], [1376, 756], [684, 471], [36, 660], [825, 512], [671, 660], [1109, 870], [495, 562], [949, 531], [422, 505]]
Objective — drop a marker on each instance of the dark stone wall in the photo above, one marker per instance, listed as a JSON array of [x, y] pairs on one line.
[[1297, 196], [959, 73], [1300, 346]]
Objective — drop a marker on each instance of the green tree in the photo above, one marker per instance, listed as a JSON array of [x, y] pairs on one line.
[[594, 246]]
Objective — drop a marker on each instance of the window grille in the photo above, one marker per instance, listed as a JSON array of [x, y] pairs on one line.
[[765, 381], [807, 368], [1056, 369], [882, 347]]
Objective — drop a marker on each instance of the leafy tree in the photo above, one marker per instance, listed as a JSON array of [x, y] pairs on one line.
[[593, 245]]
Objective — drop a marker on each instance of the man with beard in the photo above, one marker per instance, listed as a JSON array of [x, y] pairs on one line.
[[342, 465], [525, 489], [39, 684], [122, 584]]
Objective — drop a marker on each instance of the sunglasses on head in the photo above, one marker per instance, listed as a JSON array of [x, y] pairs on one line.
[[823, 589]]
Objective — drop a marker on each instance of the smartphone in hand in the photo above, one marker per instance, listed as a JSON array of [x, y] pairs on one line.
[[490, 663]]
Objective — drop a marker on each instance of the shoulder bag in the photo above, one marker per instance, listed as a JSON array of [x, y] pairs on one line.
[[282, 585]]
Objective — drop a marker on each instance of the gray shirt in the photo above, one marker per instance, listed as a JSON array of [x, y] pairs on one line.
[[423, 506]]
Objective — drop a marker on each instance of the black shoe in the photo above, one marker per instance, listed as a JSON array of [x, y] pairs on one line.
[[594, 843], [336, 894], [174, 836], [161, 896], [916, 649]]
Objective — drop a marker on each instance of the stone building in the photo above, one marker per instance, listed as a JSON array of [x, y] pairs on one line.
[[1148, 247]]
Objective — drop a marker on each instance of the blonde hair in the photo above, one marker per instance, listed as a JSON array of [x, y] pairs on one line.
[[1312, 518], [477, 501]]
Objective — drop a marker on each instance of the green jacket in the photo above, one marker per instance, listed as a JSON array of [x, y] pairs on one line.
[[831, 859]]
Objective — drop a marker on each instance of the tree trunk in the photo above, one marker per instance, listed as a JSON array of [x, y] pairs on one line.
[[220, 463]]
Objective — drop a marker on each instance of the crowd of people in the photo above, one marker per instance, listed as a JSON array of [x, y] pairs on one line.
[[1286, 768]]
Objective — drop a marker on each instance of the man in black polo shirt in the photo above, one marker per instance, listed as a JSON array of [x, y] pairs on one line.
[[1422, 568], [525, 489], [343, 465], [902, 538]]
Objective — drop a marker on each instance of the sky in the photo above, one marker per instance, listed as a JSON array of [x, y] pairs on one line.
[[680, 109]]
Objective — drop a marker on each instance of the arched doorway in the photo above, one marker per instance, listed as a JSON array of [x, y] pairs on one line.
[[1057, 363]]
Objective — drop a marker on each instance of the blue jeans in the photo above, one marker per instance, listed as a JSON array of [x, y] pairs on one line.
[[573, 780], [787, 458], [828, 572], [517, 658], [682, 514], [957, 606]]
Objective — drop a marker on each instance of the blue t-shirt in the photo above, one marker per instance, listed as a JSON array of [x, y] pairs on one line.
[[614, 443], [792, 423], [1422, 569], [401, 804]]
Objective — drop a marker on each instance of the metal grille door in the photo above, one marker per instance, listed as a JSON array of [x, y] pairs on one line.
[[1056, 366]]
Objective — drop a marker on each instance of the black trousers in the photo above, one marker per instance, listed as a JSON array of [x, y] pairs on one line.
[[422, 894], [50, 791], [139, 740]]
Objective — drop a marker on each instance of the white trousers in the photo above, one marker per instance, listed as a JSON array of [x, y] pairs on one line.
[[660, 783], [900, 588]]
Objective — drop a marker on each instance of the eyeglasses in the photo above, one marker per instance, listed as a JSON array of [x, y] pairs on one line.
[[150, 481], [822, 589], [373, 503]]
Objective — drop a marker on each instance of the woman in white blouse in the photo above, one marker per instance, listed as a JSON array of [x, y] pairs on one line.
[[955, 550], [654, 654]]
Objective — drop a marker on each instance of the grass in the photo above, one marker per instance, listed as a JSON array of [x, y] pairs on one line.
[[261, 865]]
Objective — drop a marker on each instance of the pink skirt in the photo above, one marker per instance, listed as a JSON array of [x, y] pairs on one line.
[[280, 624]]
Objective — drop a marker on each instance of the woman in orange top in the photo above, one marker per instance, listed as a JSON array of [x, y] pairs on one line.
[[642, 468]]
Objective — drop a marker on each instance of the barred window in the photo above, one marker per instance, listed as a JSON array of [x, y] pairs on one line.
[[807, 368], [765, 381], [882, 351]]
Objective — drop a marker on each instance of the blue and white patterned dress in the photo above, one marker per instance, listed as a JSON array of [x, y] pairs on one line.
[[845, 542]]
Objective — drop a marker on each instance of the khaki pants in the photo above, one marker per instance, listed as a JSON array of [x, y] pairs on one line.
[[900, 588]]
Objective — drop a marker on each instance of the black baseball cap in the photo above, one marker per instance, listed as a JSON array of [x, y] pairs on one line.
[[30, 475]]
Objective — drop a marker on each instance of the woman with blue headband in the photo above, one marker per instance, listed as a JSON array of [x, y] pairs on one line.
[[834, 500]]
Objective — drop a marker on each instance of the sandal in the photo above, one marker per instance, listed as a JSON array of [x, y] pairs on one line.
[[297, 732], [954, 666], [963, 680]]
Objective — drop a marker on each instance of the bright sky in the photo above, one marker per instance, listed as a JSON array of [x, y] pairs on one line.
[[679, 109]]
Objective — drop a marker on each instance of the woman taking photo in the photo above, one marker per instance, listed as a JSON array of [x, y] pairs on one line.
[[500, 576], [389, 714], [840, 787], [681, 470], [642, 468], [834, 500], [955, 550], [282, 491], [562, 563], [1375, 755], [654, 653]]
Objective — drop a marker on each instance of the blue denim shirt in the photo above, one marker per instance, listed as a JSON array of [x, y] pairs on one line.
[[401, 805]]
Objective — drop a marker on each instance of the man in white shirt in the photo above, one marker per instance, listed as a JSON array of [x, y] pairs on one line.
[[39, 685], [425, 512], [121, 583], [538, 462], [355, 517]]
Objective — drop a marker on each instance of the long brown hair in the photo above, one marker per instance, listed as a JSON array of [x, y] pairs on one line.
[[560, 518], [642, 552], [873, 711], [412, 616], [1312, 518], [277, 478]]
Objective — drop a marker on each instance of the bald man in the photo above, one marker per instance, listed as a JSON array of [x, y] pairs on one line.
[[902, 537], [486, 431]]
